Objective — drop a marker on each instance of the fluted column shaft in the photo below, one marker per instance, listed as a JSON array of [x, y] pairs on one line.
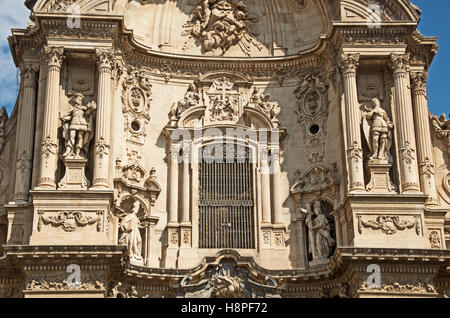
[[173, 208], [422, 127], [265, 188], [186, 185], [349, 64], [49, 153], [276, 186], [26, 124], [103, 122], [405, 127]]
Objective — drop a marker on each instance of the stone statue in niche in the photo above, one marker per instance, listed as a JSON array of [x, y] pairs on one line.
[[378, 131], [78, 127], [191, 99], [221, 24], [320, 241], [130, 226], [3, 120]]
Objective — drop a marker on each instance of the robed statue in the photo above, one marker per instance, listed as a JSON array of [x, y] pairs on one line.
[[320, 241], [78, 127], [378, 131], [130, 226]]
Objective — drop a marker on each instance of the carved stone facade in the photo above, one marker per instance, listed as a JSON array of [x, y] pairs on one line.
[[223, 148]]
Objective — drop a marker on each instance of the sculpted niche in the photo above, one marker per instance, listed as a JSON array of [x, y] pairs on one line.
[[78, 127], [378, 131]]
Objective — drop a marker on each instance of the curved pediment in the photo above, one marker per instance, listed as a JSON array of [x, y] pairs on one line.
[[233, 28]]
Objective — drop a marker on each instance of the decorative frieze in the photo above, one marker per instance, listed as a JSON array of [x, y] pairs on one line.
[[389, 224], [70, 221]]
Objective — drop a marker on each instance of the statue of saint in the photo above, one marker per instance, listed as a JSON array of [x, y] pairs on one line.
[[191, 99], [320, 240], [78, 127], [441, 125], [131, 236], [378, 131]]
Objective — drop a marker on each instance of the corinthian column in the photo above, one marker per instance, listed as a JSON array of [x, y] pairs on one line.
[[422, 125], [49, 153], [349, 64], [103, 122], [265, 187], [26, 124], [405, 127]]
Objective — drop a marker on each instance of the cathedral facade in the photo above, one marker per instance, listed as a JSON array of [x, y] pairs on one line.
[[223, 148]]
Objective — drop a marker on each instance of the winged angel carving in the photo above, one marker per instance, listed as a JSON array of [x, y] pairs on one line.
[[221, 24]]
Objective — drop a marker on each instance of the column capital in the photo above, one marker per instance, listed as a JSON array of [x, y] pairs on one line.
[[28, 72], [400, 62], [55, 56], [349, 62], [419, 83], [105, 58], [174, 151]]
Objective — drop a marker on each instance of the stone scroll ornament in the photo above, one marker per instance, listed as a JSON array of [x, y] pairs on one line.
[[78, 127], [389, 225], [377, 129], [220, 24]]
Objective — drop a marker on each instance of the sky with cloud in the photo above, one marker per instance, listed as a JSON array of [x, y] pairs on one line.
[[434, 22]]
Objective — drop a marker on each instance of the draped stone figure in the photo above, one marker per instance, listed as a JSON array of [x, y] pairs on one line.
[[78, 127], [320, 240], [131, 236], [378, 131]]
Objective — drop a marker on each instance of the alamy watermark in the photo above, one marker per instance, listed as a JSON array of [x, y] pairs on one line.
[[374, 279]]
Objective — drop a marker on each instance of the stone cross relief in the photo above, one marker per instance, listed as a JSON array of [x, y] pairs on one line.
[[224, 102]]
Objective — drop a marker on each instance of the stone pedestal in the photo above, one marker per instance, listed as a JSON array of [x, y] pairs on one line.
[[173, 247], [75, 178], [380, 181]]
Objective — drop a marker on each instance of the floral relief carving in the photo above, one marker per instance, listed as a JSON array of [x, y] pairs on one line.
[[389, 225], [221, 24], [408, 154], [59, 282], [70, 220], [391, 286]]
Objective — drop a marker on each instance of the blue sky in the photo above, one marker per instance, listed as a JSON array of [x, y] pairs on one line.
[[434, 22]]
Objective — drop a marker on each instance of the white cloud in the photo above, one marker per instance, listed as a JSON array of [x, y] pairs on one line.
[[13, 14]]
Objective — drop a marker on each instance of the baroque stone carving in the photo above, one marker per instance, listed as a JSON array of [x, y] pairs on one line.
[[389, 225], [224, 102], [391, 286], [312, 112], [441, 128], [53, 282], [3, 120], [377, 129], [70, 220], [221, 24], [261, 101], [435, 239], [227, 280], [78, 127], [130, 226], [136, 101], [320, 241], [191, 99]]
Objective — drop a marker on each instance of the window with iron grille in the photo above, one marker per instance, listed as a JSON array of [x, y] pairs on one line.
[[226, 205]]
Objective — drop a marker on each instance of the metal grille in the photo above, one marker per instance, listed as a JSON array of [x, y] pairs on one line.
[[226, 205]]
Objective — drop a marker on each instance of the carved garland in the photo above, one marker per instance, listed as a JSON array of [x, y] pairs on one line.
[[389, 225], [70, 220]]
